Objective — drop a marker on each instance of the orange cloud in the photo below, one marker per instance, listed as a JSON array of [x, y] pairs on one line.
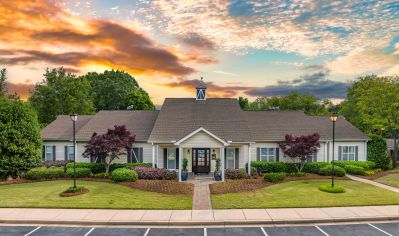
[[23, 90]]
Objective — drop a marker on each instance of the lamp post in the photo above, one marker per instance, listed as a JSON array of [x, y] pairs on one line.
[[333, 118], [74, 118]]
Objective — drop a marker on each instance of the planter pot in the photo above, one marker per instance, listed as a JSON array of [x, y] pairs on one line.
[[184, 176], [218, 176]]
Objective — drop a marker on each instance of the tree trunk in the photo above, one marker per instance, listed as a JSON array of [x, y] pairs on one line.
[[395, 151]]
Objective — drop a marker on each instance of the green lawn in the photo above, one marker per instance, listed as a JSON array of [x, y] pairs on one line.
[[101, 195], [305, 193], [391, 179]]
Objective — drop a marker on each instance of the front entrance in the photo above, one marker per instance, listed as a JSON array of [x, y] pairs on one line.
[[201, 160]]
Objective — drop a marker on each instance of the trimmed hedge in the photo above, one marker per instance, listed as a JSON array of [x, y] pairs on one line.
[[329, 189], [80, 172], [41, 173], [235, 174], [96, 168], [355, 170], [366, 165], [273, 167], [124, 175], [154, 173], [327, 170], [274, 177]]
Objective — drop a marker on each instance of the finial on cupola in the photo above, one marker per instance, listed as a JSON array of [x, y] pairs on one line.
[[201, 90]]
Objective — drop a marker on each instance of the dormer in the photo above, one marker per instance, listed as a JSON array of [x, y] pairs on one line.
[[201, 90]]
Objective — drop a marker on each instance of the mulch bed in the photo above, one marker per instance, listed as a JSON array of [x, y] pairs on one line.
[[71, 194], [162, 186], [375, 176], [246, 185]]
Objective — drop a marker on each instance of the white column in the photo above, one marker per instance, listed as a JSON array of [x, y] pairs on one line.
[[153, 155], [222, 160], [157, 147], [249, 159], [180, 161]]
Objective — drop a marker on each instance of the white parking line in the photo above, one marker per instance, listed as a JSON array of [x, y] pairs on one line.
[[205, 232], [31, 232], [322, 231], [146, 232], [264, 231], [89, 231], [375, 227]]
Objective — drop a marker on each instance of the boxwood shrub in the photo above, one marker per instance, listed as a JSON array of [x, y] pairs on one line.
[[273, 167], [274, 177], [329, 189], [96, 168], [366, 165], [235, 174], [124, 175], [80, 172], [327, 170], [355, 170], [42, 173]]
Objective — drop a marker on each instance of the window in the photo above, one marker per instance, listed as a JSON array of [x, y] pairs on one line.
[[230, 157], [268, 154], [136, 155], [171, 154], [70, 153], [348, 153], [312, 157], [49, 153]]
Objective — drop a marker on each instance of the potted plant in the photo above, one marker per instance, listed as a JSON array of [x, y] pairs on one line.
[[184, 171], [217, 174]]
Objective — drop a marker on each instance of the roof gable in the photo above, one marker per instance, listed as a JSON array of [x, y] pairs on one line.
[[190, 135]]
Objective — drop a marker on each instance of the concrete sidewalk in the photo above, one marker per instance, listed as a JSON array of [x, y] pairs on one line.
[[198, 217], [366, 181]]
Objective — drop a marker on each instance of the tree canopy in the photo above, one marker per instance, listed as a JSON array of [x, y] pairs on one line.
[[3, 78]]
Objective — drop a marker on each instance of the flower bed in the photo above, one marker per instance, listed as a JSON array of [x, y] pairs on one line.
[[162, 186]]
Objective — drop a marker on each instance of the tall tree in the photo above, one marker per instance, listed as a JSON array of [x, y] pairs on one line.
[[61, 93], [300, 148], [20, 142], [3, 78], [109, 146], [117, 90]]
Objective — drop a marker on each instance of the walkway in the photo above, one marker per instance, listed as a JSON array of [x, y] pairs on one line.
[[198, 217], [366, 181], [202, 195]]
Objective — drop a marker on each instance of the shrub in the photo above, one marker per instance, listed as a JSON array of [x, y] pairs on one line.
[[254, 172], [274, 177], [366, 165], [372, 172], [149, 173], [129, 165], [297, 174], [314, 167], [269, 167], [377, 152], [327, 170], [356, 170], [101, 176], [235, 174], [75, 190], [60, 163], [80, 172], [124, 175], [170, 175], [94, 167], [41, 173], [329, 189]]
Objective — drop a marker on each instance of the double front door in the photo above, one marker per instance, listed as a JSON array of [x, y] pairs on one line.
[[201, 160]]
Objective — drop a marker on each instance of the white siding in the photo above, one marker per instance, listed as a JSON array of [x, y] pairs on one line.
[[201, 140]]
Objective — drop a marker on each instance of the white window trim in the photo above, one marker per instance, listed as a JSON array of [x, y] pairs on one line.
[[348, 153], [70, 146], [167, 158], [234, 157], [267, 156], [46, 147], [314, 155]]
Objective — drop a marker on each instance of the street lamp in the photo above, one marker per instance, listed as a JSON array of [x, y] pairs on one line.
[[333, 118], [74, 118]]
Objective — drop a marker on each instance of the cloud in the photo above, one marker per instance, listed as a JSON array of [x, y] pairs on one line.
[[197, 41], [23, 90], [224, 73], [315, 83]]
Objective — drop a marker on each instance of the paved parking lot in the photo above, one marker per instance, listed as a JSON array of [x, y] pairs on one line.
[[375, 229]]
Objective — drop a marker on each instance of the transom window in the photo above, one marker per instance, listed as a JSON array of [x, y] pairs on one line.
[[70, 153], [268, 154], [49, 153], [348, 153], [230, 157], [171, 154]]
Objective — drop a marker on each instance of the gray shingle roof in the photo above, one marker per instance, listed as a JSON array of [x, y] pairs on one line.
[[62, 128], [181, 116], [274, 125]]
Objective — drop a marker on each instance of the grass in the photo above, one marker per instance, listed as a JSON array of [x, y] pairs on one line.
[[102, 195], [391, 180], [306, 193]]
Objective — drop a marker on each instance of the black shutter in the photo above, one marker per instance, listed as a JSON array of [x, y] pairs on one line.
[[54, 157], [66, 153], [257, 154], [177, 158], [165, 158], [339, 152], [277, 154], [141, 154], [237, 158], [44, 153], [129, 155], [356, 153]]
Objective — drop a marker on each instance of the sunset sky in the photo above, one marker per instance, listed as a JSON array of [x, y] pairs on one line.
[[241, 48]]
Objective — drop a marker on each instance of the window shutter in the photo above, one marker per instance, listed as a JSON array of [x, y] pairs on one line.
[[129, 155], [356, 153], [44, 153], [141, 154], [177, 158], [66, 153], [339, 152], [237, 158], [277, 154], [257, 154], [54, 157], [165, 158]]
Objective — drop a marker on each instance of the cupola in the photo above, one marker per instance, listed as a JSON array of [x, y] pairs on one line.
[[201, 90]]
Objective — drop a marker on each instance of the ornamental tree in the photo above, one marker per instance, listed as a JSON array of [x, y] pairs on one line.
[[109, 146], [300, 148]]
